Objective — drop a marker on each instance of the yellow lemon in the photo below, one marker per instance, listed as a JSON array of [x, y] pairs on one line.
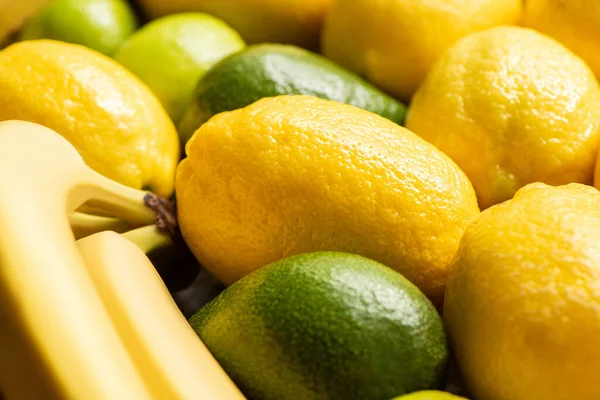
[[113, 120], [429, 395], [511, 106], [522, 303], [393, 43], [279, 21], [597, 172], [14, 14], [294, 174], [574, 23]]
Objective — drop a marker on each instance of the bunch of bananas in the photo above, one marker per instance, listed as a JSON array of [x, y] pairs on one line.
[[71, 323]]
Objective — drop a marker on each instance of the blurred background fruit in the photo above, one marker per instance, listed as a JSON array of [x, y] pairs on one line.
[[575, 23], [107, 113], [267, 70], [511, 106], [171, 54], [13, 14], [429, 395], [393, 43], [522, 305], [101, 25], [293, 174], [325, 325], [277, 21]]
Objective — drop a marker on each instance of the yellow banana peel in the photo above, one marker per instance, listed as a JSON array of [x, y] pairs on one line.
[[87, 319]]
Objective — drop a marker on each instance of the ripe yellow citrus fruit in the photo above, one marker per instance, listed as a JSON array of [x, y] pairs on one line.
[[511, 107], [574, 23], [393, 43], [113, 120], [14, 14], [293, 174], [277, 21], [522, 303], [429, 395]]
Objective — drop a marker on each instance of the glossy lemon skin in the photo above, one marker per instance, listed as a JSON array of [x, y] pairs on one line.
[[522, 304], [511, 107], [429, 395], [574, 23], [294, 174], [394, 43], [113, 120]]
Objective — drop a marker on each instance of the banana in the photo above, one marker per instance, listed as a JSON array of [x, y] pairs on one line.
[[172, 360], [60, 335], [55, 335], [83, 224], [148, 238]]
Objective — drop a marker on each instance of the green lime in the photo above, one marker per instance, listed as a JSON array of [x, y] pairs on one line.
[[268, 70], [170, 55], [101, 25], [325, 325]]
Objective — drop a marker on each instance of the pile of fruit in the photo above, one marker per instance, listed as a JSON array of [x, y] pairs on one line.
[[300, 200]]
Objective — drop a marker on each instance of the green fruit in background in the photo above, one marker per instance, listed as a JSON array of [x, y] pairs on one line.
[[170, 55], [429, 395], [325, 325], [267, 70], [101, 25]]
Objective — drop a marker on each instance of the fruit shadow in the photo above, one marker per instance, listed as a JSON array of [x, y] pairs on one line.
[[190, 285]]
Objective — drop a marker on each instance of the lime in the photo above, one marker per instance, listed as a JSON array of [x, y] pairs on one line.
[[325, 325], [101, 25], [267, 70], [172, 53]]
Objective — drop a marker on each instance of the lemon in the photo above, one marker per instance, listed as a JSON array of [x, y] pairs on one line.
[[172, 53], [101, 25], [14, 14], [393, 43], [597, 172], [109, 115], [429, 395], [522, 304], [511, 106], [293, 174], [277, 21], [574, 23]]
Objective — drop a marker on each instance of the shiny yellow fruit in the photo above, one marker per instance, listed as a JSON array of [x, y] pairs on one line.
[[522, 303], [294, 174], [108, 114], [511, 106], [597, 172], [278, 21], [13, 14], [574, 23], [393, 43], [429, 395]]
